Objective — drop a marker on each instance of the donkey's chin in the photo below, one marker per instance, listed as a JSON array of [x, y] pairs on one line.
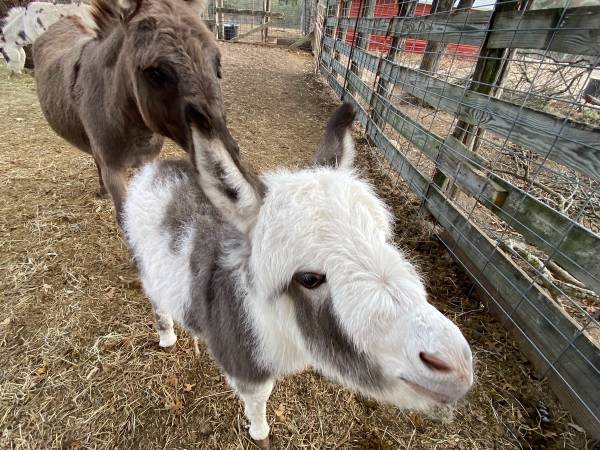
[[431, 395], [408, 395]]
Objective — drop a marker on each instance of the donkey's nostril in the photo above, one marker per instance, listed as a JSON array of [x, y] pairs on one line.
[[434, 363]]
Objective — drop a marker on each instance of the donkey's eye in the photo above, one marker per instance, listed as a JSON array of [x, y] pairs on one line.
[[309, 280], [158, 76]]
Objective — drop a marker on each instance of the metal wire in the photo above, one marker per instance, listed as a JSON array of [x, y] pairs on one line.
[[261, 21], [497, 137]]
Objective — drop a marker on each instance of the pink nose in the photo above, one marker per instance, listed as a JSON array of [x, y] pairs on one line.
[[434, 363]]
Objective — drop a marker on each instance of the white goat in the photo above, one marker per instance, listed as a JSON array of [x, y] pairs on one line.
[[22, 26], [290, 271]]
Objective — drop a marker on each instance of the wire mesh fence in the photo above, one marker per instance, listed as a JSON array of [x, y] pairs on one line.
[[261, 21], [490, 113]]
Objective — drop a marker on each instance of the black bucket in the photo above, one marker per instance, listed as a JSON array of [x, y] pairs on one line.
[[230, 31]]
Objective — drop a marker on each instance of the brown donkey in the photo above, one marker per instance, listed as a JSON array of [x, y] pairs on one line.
[[146, 71]]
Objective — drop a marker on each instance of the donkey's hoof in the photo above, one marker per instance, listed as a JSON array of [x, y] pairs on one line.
[[169, 348], [263, 444]]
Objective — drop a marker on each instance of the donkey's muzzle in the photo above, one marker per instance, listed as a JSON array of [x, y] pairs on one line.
[[212, 127]]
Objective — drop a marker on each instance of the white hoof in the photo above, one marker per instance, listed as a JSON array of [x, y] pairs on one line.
[[260, 432], [167, 340]]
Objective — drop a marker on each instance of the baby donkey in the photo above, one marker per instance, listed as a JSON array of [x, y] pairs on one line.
[[292, 270]]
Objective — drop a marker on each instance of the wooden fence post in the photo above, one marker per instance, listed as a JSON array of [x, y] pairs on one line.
[[319, 31], [360, 39], [435, 50], [486, 76], [220, 25], [405, 9], [266, 18], [356, 41], [338, 33]]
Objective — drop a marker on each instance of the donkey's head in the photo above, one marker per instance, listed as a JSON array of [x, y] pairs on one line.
[[174, 65], [328, 287]]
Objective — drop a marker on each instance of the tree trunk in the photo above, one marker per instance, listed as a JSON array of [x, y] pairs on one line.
[[489, 74]]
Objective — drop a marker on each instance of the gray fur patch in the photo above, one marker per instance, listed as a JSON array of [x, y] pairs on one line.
[[325, 338], [162, 323], [217, 300], [189, 208], [174, 168], [216, 311], [229, 192], [4, 54]]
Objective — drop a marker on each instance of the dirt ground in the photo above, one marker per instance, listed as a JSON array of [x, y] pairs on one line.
[[79, 361]]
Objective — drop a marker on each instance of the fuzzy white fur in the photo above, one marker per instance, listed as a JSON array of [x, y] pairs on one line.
[[323, 220], [147, 201], [329, 221], [255, 406]]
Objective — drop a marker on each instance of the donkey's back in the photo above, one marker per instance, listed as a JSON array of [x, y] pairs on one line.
[[55, 55], [168, 215]]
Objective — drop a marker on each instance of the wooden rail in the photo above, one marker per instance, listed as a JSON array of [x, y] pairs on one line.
[[250, 12], [574, 30], [579, 249], [558, 347], [549, 337], [565, 141], [439, 28]]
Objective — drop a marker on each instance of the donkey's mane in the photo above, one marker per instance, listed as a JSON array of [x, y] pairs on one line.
[[13, 14], [107, 13]]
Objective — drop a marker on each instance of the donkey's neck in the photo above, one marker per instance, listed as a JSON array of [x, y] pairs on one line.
[[110, 60], [111, 47]]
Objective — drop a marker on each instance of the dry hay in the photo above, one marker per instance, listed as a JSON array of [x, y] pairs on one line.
[[79, 363]]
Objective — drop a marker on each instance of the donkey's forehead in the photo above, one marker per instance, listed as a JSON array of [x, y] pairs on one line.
[[172, 22], [169, 45], [334, 198]]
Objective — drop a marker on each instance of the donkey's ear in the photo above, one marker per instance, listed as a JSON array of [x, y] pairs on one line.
[[230, 186], [337, 147]]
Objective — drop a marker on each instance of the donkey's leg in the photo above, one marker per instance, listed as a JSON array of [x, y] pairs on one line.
[[255, 396], [101, 192], [116, 183], [164, 327]]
